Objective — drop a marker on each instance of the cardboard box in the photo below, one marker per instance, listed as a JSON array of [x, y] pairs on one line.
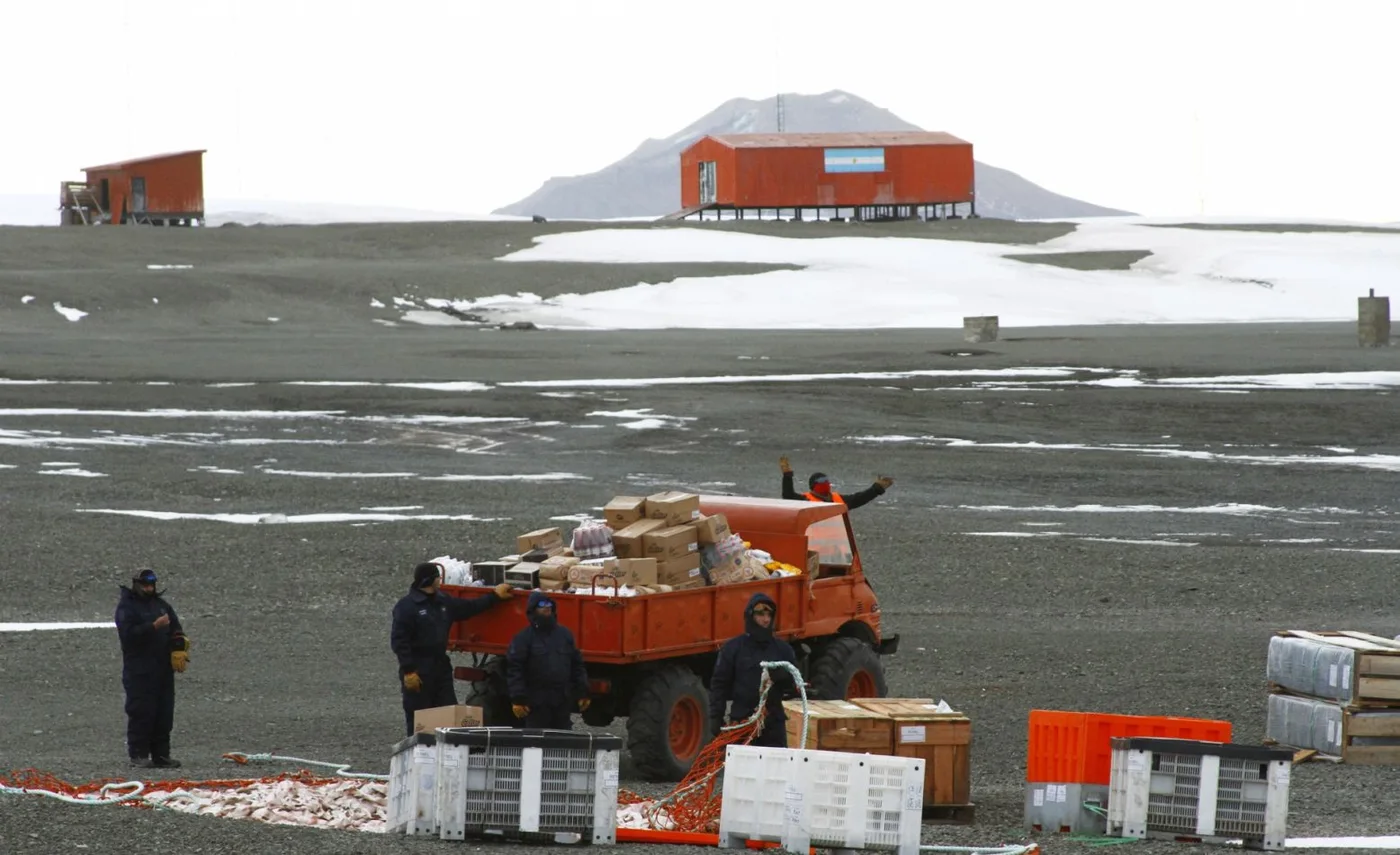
[[712, 529], [840, 726], [554, 585], [674, 507], [426, 721], [680, 571], [622, 511], [737, 569], [665, 544], [551, 540], [583, 574], [632, 571], [627, 543]]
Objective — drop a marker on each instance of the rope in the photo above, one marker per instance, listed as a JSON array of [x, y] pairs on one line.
[[101, 797], [338, 769]]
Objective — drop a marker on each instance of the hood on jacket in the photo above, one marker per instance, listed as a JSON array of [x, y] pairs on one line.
[[539, 621], [755, 631]]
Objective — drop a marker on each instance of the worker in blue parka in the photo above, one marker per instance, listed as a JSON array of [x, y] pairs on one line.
[[154, 648], [545, 674], [738, 673]]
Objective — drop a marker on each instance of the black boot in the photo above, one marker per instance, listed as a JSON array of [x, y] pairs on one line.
[[165, 763], [142, 762]]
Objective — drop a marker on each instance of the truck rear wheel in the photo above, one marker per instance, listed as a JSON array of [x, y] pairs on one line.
[[668, 723], [492, 695], [847, 668]]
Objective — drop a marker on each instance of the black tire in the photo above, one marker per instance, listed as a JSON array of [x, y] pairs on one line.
[[492, 696], [836, 665], [668, 723]]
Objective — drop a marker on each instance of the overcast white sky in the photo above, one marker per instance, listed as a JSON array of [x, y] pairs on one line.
[[1267, 107]]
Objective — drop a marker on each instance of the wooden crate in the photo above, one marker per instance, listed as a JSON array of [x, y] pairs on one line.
[[1356, 723], [839, 726], [942, 740], [1375, 678]]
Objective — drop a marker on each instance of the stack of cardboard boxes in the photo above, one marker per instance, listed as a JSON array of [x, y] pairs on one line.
[[646, 544]]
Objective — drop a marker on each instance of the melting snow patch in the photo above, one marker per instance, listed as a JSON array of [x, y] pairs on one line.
[[1138, 542], [1229, 509], [33, 627], [623, 382], [543, 476], [214, 470], [306, 474], [276, 518], [81, 473], [70, 314], [27, 299], [169, 266], [176, 414], [395, 508], [376, 304]]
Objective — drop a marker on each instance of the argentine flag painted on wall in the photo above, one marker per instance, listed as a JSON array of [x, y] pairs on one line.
[[855, 160]]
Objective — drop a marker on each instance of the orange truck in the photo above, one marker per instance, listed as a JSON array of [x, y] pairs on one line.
[[650, 657]]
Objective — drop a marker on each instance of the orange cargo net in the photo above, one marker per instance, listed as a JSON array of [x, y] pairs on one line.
[[694, 805]]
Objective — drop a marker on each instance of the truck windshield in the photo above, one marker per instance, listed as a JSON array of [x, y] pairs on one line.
[[828, 538]]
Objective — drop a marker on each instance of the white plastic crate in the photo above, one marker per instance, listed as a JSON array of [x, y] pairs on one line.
[[536, 785], [754, 789], [412, 807], [830, 799], [1194, 790]]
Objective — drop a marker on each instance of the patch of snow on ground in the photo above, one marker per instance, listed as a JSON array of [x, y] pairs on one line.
[[34, 627], [277, 518], [70, 314], [1193, 276]]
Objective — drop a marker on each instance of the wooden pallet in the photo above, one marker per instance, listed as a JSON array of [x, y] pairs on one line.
[[950, 814], [1375, 676]]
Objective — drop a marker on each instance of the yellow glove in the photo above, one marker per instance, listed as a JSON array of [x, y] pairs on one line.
[[504, 591], [520, 710], [584, 704], [412, 682], [179, 660]]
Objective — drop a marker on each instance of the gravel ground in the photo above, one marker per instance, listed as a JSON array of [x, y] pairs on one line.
[[1104, 611]]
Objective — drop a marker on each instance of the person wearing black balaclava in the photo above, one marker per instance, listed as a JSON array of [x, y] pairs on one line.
[[545, 674], [418, 634], [820, 489], [738, 672], [154, 647]]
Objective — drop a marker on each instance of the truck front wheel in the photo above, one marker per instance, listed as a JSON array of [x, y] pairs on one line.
[[668, 723], [847, 668], [492, 696]]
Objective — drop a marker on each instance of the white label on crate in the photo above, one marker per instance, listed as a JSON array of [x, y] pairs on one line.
[[1061, 792], [913, 797], [449, 760], [1137, 761], [1346, 675], [423, 752], [610, 778], [1330, 731], [1038, 798], [1282, 771], [1332, 675], [912, 733], [793, 802]]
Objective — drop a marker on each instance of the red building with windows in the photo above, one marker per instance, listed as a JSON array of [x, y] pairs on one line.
[[162, 190], [888, 175]]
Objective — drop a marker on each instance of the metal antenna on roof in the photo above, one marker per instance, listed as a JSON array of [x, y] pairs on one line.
[[780, 113]]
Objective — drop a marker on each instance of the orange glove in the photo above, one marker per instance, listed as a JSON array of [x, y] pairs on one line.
[[520, 710], [179, 660], [412, 682]]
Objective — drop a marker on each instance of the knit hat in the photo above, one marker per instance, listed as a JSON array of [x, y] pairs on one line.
[[425, 574]]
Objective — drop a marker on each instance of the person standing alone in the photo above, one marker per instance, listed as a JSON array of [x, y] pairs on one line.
[[154, 648]]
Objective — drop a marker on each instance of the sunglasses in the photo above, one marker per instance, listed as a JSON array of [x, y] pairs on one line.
[[763, 610]]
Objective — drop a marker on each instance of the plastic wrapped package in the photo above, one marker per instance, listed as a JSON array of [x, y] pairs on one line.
[[1305, 723], [1311, 667], [456, 572], [592, 539]]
